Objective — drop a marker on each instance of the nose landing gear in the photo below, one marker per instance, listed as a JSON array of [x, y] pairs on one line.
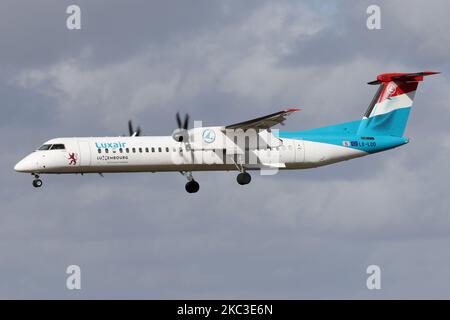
[[192, 186], [37, 183]]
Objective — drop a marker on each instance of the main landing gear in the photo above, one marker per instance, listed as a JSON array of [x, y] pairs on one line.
[[243, 178], [37, 183], [192, 186]]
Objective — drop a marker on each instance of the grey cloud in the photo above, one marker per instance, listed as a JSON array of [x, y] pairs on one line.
[[111, 30], [411, 34]]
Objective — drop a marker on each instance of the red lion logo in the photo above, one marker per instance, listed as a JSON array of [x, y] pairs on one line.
[[72, 158]]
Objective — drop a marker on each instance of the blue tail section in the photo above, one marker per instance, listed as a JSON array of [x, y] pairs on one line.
[[392, 123], [384, 122]]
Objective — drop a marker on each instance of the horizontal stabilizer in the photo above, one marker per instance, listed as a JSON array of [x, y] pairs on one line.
[[416, 76]]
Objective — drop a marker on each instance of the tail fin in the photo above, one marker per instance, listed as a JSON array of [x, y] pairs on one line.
[[389, 110]]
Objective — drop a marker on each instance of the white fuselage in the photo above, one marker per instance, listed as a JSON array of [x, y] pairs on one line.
[[163, 153]]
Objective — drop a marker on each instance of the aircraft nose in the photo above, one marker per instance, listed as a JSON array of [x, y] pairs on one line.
[[24, 165], [20, 166]]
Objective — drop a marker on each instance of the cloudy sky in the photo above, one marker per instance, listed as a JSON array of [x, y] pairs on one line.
[[298, 234]]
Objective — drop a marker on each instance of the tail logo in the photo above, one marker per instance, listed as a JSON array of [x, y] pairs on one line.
[[391, 89]]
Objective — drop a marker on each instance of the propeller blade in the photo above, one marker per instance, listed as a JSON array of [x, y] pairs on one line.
[[186, 122], [178, 120], [130, 128]]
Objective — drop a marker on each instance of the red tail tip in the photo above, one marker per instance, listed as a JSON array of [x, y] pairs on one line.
[[402, 76]]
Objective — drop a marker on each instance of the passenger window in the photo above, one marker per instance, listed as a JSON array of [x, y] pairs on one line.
[[159, 149], [127, 150], [140, 150], [167, 149], [153, 149], [146, 150], [120, 150], [106, 150], [99, 150], [134, 150]]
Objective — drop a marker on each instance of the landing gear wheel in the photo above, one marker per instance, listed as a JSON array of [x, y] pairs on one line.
[[192, 186], [37, 183], [243, 178]]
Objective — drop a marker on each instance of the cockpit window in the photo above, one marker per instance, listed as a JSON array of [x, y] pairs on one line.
[[45, 147], [57, 147]]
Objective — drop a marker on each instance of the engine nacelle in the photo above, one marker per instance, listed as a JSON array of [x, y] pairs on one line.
[[180, 135]]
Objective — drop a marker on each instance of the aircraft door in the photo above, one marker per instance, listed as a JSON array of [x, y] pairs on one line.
[[84, 156]]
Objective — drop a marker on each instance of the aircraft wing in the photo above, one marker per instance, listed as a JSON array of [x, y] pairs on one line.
[[265, 122]]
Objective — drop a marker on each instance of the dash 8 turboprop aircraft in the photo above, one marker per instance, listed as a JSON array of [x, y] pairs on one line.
[[244, 146]]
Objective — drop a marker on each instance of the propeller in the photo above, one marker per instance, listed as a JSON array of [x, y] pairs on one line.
[[132, 132], [180, 134], [185, 123]]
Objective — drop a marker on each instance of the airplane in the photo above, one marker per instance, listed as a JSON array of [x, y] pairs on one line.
[[243, 146]]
